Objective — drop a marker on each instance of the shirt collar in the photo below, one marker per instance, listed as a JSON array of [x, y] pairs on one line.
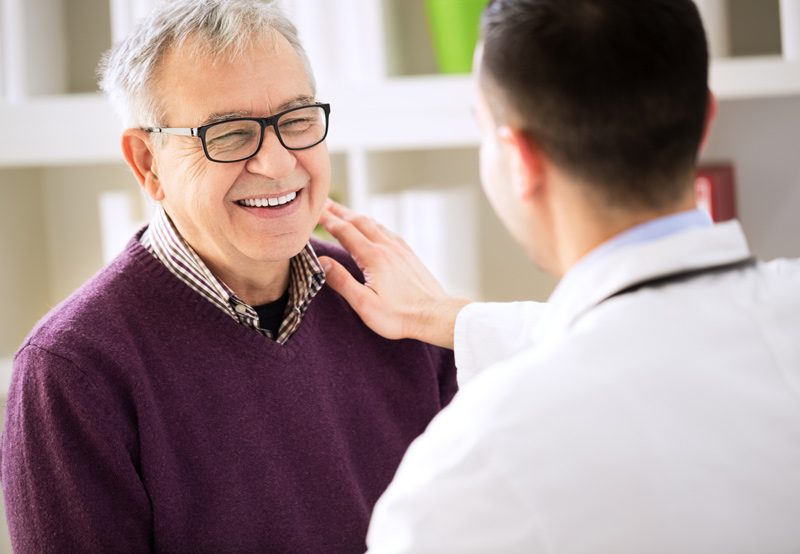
[[672, 244], [645, 232], [306, 276]]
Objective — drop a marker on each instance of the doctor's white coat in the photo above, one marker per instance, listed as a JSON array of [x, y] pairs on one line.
[[664, 420]]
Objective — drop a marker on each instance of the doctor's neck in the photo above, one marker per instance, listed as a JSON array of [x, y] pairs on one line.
[[579, 222]]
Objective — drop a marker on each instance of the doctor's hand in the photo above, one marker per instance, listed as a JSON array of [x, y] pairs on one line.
[[400, 298]]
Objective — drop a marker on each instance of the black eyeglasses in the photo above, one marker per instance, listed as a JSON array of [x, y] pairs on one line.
[[234, 140]]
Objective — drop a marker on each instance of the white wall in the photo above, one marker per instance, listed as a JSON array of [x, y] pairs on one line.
[[24, 271], [73, 220], [50, 224]]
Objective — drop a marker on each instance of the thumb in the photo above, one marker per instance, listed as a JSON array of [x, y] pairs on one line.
[[344, 283]]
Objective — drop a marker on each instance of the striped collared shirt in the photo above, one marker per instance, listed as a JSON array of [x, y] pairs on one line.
[[306, 277]]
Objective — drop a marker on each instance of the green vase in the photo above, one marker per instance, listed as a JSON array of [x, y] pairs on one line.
[[454, 30]]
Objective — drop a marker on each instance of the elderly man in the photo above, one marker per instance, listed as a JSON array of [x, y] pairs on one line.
[[206, 392], [653, 404]]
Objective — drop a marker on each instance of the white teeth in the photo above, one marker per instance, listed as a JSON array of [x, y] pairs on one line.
[[288, 198], [264, 202]]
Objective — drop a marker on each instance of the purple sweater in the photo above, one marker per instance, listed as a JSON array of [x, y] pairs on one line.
[[141, 418]]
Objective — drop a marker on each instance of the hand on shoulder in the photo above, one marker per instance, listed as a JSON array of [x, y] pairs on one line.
[[400, 298]]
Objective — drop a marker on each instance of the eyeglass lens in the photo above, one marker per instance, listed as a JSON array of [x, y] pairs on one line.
[[235, 140]]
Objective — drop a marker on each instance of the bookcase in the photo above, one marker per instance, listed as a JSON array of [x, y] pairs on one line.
[[397, 125], [400, 132]]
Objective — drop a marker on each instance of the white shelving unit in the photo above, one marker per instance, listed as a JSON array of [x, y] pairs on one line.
[[395, 125]]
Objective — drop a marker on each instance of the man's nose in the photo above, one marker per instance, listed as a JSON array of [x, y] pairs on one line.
[[272, 159]]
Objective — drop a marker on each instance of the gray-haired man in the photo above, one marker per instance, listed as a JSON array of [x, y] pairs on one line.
[[207, 392]]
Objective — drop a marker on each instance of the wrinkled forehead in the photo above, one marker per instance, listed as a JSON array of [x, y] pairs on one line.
[[202, 49], [197, 86]]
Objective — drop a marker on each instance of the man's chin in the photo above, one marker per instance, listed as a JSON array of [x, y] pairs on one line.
[[280, 249]]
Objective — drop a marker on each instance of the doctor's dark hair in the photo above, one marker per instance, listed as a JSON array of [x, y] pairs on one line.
[[615, 92]]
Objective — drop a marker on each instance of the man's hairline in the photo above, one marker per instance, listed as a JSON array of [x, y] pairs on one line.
[[272, 33]]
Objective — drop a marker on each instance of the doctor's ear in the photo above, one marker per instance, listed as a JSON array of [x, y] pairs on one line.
[[138, 151], [526, 161], [711, 114]]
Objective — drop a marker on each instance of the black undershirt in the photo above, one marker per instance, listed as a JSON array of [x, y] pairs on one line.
[[270, 315]]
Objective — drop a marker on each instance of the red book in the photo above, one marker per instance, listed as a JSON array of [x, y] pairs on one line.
[[715, 191]]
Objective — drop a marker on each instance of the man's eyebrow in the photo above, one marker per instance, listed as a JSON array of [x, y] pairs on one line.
[[222, 116], [295, 103]]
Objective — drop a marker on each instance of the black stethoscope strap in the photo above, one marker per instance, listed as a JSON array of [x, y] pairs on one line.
[[686, 275]]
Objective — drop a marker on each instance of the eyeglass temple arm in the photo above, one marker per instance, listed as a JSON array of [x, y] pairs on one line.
[[185, 132]]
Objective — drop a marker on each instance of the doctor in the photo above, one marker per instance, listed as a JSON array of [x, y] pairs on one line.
[[653, 404]]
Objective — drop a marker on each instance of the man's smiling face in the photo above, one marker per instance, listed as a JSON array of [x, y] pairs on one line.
[[215, 206]]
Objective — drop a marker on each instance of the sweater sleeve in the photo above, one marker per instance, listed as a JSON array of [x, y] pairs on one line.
[[443, 360], [68, 463]]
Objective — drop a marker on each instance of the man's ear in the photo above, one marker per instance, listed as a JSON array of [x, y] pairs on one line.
[[526, 161], [138, 151], [711, 114]]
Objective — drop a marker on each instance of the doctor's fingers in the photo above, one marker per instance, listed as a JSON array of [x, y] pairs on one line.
[[367, 242], [351, 238], [371, 229]]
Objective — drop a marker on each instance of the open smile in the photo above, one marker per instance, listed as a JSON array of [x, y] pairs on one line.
[[268, 202]]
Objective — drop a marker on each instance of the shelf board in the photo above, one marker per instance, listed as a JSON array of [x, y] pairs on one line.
[[59, 130], [407, 113], [754, 77]]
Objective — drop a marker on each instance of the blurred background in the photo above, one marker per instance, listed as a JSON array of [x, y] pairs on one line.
[[403, 141]]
